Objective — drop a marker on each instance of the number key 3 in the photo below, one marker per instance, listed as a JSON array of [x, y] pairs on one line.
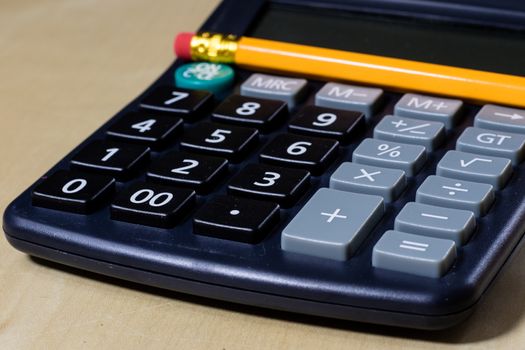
[[280, 185]]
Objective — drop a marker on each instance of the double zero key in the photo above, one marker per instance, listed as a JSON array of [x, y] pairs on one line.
[[310, 153]]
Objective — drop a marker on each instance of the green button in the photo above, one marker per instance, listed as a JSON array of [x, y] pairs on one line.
[[214, 77]]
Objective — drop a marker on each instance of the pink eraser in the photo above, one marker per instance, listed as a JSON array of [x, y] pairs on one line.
[[182, 45]]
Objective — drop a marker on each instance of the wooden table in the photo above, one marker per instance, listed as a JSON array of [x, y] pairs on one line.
[[67, 66]]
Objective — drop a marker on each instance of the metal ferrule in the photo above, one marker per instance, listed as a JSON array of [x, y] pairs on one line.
[[212, 47]]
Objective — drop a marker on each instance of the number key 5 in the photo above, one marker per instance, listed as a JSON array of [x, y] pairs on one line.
[[232, 142]]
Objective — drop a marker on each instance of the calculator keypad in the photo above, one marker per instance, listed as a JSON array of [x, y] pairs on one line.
[[268, 182], [196, 171], [152, 205], [259, 186], [153, 130], [237, 219], [232, 142], [73, 191], [312, 154], [119, 159]]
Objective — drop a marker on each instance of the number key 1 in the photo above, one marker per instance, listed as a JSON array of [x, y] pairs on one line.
[[281, 185], [190, 170], [112, 158], [328, 122]]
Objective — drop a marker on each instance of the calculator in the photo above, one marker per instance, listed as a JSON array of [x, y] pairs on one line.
[[323, 197]]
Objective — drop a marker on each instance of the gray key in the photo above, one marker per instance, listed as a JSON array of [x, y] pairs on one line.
[[438, 109], [494, 171], [332, 224], [458, 194], [289, 90], [492, 143], [420, 132], [409, 158], [501, 118], [350, 97], [387, 183], [414, 254], [428, 220]]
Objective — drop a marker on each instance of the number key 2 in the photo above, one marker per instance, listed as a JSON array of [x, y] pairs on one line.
[[153, 130], [232, 142], [190, 104], [281, 185], [152, 205], [112, 158], [310, 153], [250, 111], [73, 191], [328, 122], [190, 170]]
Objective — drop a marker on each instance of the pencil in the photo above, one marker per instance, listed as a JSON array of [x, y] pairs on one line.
[[344, 66]]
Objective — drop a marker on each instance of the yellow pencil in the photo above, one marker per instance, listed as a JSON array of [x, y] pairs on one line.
[[337, 65]]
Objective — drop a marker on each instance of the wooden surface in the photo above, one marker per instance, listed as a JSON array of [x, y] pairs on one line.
[[67, 66]]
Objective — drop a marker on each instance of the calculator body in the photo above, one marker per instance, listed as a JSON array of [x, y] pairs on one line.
[[262, 274]]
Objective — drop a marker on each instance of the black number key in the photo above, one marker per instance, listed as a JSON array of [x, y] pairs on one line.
[[190, 170], [112, 158], [281, 185], [237, 219], [232, 142], [311, 153], [153, 130], [73, 191], [327, 122], [250, 111], [152, 205], [190, 104]]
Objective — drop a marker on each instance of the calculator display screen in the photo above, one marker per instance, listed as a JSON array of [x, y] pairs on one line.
[[475, 47]]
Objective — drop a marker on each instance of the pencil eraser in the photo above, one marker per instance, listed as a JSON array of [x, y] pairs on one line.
[[182, 45]]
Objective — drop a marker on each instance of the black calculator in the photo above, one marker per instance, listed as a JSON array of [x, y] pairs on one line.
[[323, 197]]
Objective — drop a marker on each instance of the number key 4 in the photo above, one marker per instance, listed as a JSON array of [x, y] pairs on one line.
[[153, 130]]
